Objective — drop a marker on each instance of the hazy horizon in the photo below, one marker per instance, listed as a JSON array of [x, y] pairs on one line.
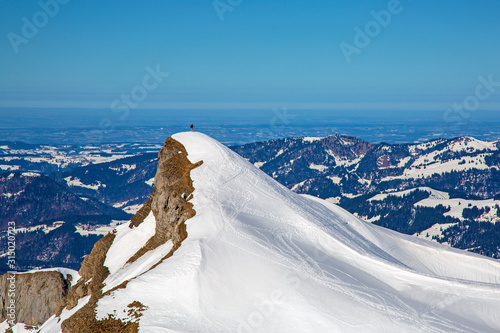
[[63, 126]]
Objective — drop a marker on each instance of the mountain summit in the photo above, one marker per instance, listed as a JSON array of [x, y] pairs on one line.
[[222, 247]]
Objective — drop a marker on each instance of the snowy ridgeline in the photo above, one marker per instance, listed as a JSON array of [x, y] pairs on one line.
[[260, 258]]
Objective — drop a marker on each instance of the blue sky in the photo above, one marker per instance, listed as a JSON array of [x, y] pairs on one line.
[[262, 54]]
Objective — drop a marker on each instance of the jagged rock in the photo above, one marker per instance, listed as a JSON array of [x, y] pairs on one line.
[[171, 208], [93, 273], [37, 295], [170, 199]]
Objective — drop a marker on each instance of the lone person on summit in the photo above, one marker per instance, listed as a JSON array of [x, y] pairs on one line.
[[192, 126]]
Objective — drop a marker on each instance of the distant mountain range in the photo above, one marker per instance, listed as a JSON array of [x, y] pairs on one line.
[[447, 190], [52, 222]]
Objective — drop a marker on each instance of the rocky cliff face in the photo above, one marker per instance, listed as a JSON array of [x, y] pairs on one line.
[[170, 199], [171, 206], [37, 295]]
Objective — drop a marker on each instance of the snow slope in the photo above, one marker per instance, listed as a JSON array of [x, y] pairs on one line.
[[434, 194], [457, 207], [260, 258]]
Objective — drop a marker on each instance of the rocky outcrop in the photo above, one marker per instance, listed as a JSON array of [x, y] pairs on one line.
[[170, 199], [37, 295], [171, 206]]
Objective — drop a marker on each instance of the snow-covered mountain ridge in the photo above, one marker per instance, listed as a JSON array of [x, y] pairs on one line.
[[393, 185], [352, 167], [255, 256]]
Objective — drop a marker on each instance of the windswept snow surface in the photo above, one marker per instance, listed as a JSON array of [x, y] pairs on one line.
[[260, 258]]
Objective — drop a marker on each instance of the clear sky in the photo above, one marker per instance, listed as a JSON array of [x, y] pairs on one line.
[[248, 54]]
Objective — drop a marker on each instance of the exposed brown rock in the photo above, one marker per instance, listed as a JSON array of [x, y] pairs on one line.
[[37, 295], [135, 309], [142, 213], [112, 324], [92, 268], [346, 146], [108, 325], [171, 208], [169, 201], [384, 161]]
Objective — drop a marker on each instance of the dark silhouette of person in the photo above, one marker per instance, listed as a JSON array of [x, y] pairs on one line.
[[192, 126]]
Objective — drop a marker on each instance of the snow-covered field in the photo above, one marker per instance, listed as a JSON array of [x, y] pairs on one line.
[[64, 156], [436, 230], [75, 181], [433, 162], [457, 207], [99, 229], [434, 194], [260, 258]]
